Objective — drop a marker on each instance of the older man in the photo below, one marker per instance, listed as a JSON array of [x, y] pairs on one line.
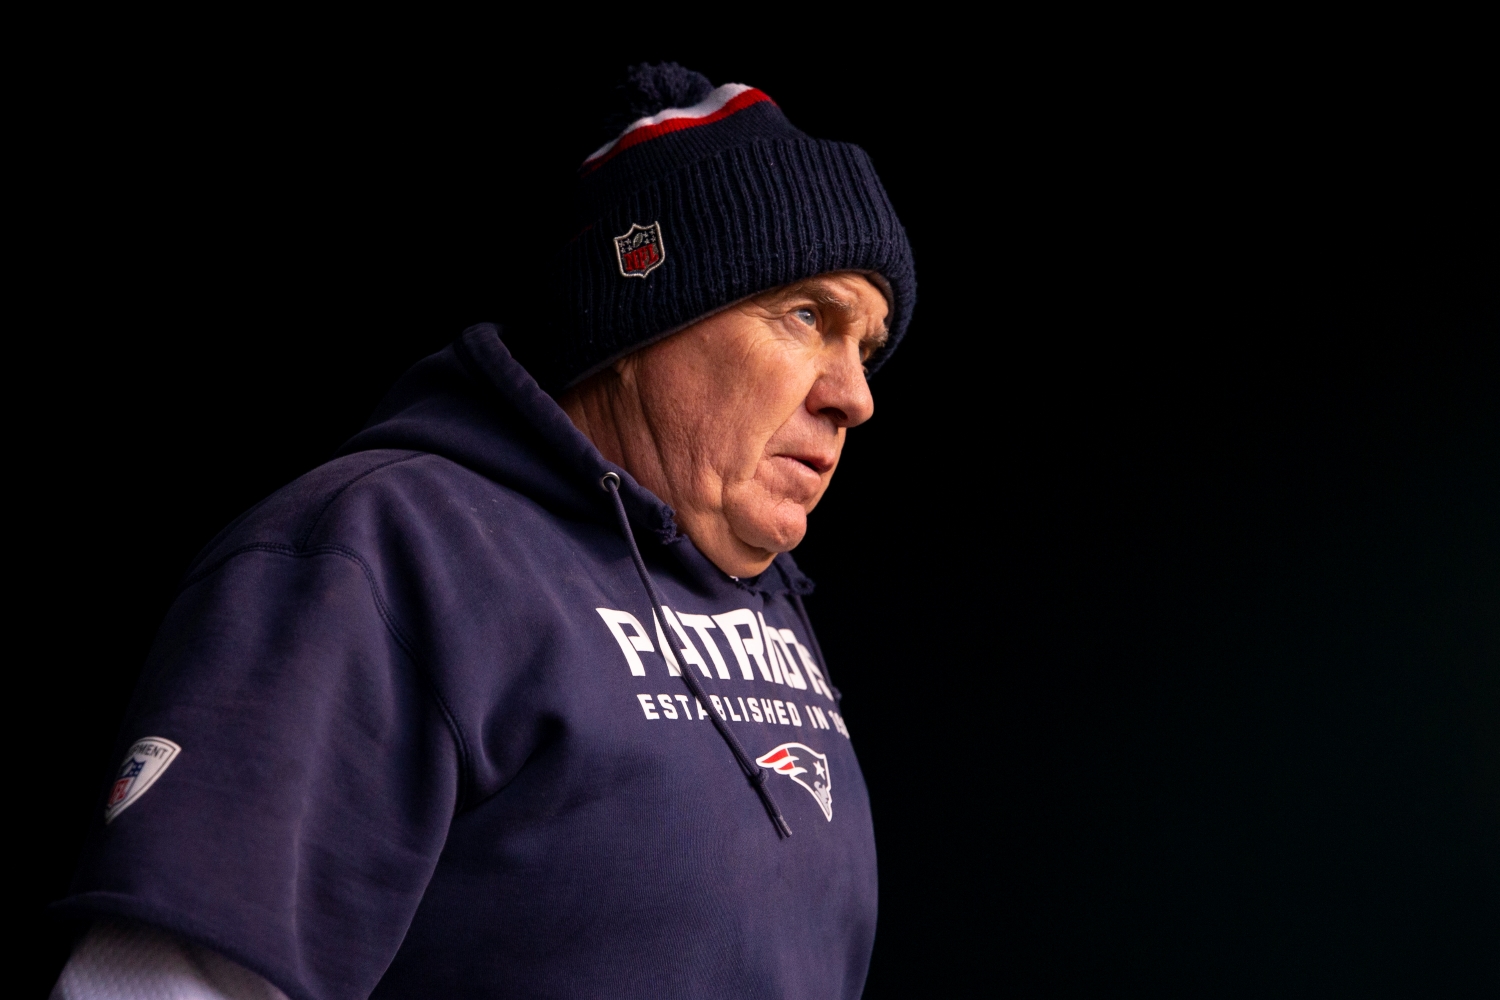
[[518, 697]]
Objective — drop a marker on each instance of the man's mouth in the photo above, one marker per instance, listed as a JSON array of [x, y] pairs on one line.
[[816, 463]]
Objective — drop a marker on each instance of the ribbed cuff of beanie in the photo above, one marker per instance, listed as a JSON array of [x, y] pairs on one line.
[[732, 225]]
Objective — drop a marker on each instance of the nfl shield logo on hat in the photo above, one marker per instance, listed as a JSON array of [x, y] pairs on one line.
[[640, 251]]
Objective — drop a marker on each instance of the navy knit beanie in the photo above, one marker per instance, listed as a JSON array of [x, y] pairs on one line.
[[704, 197]]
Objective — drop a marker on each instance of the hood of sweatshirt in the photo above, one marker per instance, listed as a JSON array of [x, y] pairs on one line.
[[473, 404]]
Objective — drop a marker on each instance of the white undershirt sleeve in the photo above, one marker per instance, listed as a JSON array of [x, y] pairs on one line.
[[128, 961]]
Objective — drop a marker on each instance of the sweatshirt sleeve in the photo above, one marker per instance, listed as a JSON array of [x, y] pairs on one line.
[[297, 822]]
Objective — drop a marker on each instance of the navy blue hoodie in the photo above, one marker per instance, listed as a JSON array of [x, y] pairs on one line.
[[409, 729]]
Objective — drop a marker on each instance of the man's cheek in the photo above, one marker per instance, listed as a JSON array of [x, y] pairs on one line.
[[722, 442]]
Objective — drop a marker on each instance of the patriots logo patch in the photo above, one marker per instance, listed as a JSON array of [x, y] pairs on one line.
[[789, 758], [144, 763]]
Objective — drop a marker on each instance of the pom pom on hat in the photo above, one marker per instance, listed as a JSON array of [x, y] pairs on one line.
[[647, 90]]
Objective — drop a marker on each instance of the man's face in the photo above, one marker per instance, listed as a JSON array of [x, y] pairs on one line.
[[738, 421]]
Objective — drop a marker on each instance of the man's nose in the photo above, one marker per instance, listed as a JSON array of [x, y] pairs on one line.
[[841, 393]]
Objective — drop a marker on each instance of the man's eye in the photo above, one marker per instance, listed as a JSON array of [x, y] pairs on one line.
[[806, 315]]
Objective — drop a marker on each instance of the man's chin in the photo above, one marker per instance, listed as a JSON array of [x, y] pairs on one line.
[[782, 480], [771, 531]]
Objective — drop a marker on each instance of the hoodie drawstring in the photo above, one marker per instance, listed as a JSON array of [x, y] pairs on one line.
[[817, 650], [757, 775]]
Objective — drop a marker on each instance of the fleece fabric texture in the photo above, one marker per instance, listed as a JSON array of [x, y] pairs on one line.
[[431, 744]]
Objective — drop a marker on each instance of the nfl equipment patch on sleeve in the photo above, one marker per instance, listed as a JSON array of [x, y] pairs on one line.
[[144, 763]]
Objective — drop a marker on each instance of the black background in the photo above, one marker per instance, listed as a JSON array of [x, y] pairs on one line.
[[1163, 589]]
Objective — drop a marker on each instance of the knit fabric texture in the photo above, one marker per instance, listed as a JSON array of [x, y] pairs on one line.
[[704, 202]]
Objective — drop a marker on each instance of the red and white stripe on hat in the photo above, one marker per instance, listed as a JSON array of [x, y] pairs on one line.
[[721, 103]]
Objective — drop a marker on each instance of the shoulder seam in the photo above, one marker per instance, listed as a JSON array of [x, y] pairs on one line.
[[391, 624], [302, 542]]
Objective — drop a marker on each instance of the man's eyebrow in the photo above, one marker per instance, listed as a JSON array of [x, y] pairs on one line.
[[824, 296]]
